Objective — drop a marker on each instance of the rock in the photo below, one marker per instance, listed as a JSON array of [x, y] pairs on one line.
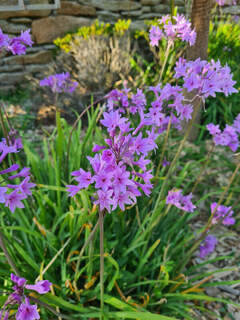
[[21, 20], [150, 2], [106, 16], [138, 25], [75, 9], [25, 13], [11, 27], [11, 68], [34, 68], [47, 29], [116, 5], [12, 78], [179, 3], [231, 10], [40, 57], [151, 15], [146, 9], [135, 13], [161, 8]]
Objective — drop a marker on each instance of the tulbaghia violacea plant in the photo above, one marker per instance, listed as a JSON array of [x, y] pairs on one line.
[[12, 194], [59, 82], [172, 28], [15, 45], [21, 298]]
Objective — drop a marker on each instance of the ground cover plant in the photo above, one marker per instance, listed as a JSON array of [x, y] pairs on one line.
[[104, 224]]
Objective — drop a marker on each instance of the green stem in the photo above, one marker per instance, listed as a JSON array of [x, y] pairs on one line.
[[101, 260], [169, 45], [8, 257], [84, 247], [202, 169]]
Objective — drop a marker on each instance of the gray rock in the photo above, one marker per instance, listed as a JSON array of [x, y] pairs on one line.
[[11, 27], [161, 8], [135, 13], [138, 25], [150, 2], [21, 20], [34, 68], [146, 9], [11, 68], [116, 5], [151, 15], [108, 16]]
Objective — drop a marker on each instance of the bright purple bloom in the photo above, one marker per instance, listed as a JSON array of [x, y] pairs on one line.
[[155, 34], [84, 178], [181, 28], [176, 198], [105, 200], [26, 311], [207, 246], [227, 137], [13, 200], [20, 282], [41, 287]]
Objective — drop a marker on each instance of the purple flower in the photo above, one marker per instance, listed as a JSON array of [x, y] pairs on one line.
[[207, 246], [41, 287], [60, 82], [13, 200], [155, 34], [227, 137], [181, 28], [207, 78], [105, 200], [26, 311], [20, 282], [222, 212], [176, 198]]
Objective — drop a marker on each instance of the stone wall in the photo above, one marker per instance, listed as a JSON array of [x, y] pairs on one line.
[[47, 25]]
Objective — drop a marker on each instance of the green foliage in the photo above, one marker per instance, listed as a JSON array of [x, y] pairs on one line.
[[224, 44], [146, 246], [96, 29]]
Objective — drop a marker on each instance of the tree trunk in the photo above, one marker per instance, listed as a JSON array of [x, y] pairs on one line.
[[200, 18]]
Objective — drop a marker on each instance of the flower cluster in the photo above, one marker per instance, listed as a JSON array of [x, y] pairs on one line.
[[11, 195], [167, 105], [119, 168], [172, 28], [60, 82], [176, 198], [26, 311], [205, 78], [207, 246], [227, 137], [224, 213], [16, 45]]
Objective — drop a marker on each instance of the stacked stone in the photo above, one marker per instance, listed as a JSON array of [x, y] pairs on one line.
[[47, 25]]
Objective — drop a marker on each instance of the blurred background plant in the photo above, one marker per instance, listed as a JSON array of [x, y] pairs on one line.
[[97, 56]]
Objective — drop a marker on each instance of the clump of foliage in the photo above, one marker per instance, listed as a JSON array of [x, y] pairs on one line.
[[99, 55], [130, 171], [224, 44]]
